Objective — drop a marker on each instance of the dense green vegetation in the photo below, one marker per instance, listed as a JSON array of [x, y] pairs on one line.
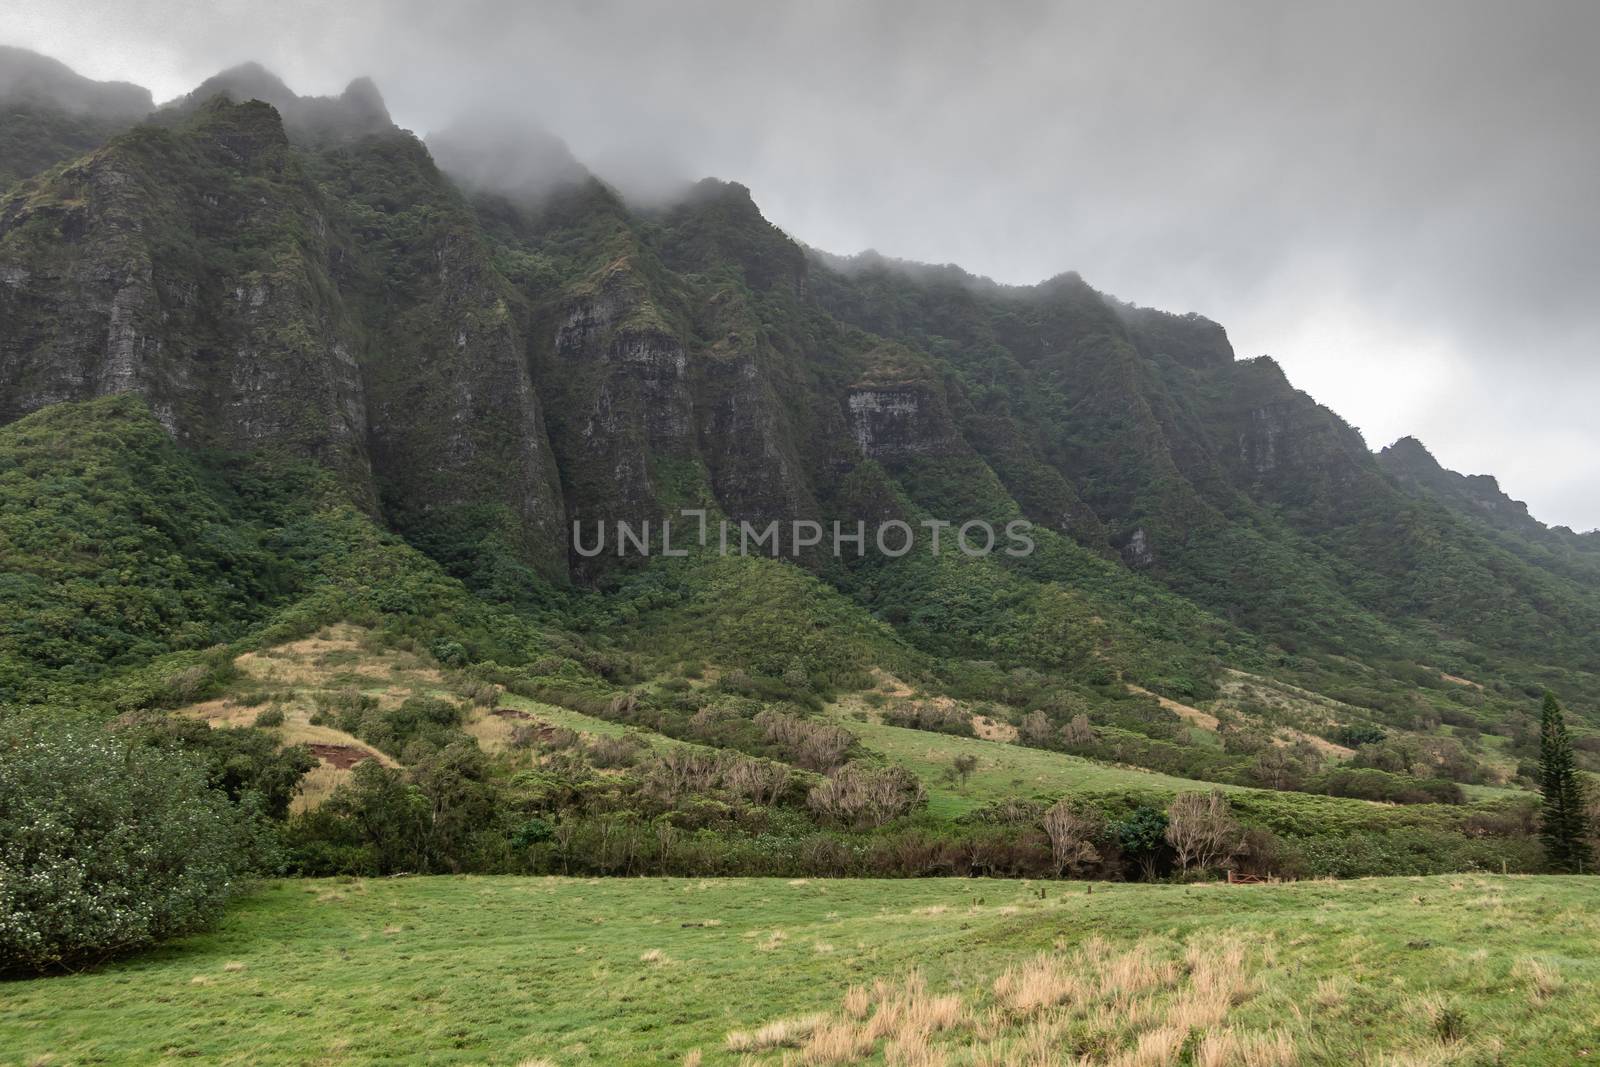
[[106, 849]]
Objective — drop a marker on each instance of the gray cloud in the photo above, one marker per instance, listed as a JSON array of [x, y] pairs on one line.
[[1396, 200]]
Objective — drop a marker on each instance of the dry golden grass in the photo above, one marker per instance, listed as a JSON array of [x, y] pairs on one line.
[[1154, 1048], [1229, 1048], [492, 732], [1330, 994], [317, 786], [1089, 1005], [1203, 719], [1541, 978], [655, 955], [1042, 982], [777, 1034], [836, 1041], [291, 676]]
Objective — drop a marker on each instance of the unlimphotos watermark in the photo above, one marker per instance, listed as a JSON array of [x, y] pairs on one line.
[[798, 537]]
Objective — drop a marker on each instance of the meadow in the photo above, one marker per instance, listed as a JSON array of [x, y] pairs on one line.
[[550, 971], [1002, 770]]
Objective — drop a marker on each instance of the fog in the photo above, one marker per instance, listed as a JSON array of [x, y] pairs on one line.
[[1396, 201]]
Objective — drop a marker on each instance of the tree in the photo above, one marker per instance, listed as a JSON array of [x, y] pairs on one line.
[[1078, 732], [1564, 822], [1073, 830], [1035, 730], [240, 761], [1275, 768], [1142, 835], [106, 848], [862, 796], [1202, 830], [964, 765]]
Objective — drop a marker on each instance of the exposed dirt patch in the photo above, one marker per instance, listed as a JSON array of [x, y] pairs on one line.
[[1203, 719], [335, 653], [341, 756], [1458, 680], [993, 729], [888, 684]]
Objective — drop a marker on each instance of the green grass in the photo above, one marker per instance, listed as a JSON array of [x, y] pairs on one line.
[[503, 970], [556, 715], [1484, 793], [1004, 770]]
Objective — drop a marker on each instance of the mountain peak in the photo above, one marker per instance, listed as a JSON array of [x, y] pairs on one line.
[[31, 77], [247, 81], [357, 111], [1411, 454], [1478, 495], [362, 95], [511, 156]]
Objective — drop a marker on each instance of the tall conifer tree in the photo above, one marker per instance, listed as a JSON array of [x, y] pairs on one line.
[[1564, 826]]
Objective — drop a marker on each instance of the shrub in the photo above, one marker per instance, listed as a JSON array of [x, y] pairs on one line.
[[105, 849], [860, 795], [1074, 830], [1202, 830], [935, 718], [269, 719]]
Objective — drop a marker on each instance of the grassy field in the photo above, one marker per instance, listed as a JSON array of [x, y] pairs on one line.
[[1003, 770], [517, 971]]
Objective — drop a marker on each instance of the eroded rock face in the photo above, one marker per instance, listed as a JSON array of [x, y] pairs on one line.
[[618, 384], [751, 447], [893, 422], [1138, 552], [199, 265]]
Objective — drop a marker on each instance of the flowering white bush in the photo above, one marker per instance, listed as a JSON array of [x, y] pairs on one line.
[[105, 848]]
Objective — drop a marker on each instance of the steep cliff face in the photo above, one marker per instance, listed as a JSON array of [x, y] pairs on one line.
[[617, 379], [190, 265], [262, 298], [460, 448], [1283, 447], [893, 422], [765, 442]]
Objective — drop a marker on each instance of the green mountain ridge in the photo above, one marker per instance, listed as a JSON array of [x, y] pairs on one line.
[[478, 366]]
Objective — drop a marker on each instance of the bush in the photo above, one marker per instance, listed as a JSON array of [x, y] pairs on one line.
[[105, 849], [859, 795]]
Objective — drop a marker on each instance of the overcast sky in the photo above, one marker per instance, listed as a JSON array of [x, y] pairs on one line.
[[1396, 200]]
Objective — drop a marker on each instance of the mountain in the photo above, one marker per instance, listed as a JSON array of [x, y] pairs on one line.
[[479, 346], [29, 78], [49, 113]]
